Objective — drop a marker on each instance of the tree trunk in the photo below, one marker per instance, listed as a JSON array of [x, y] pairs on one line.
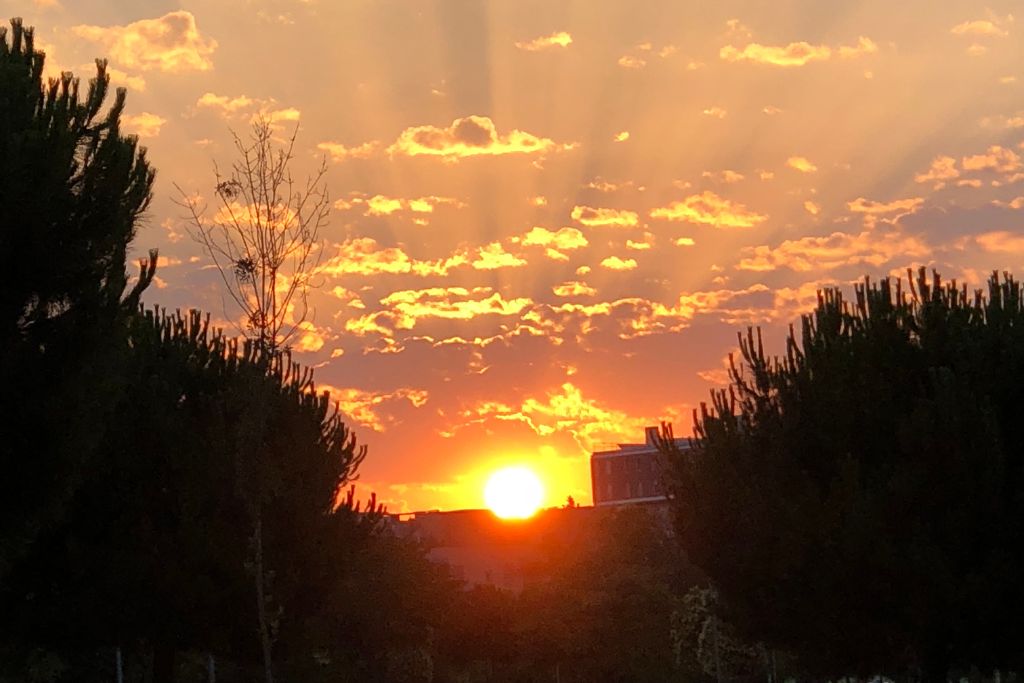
[[163, 662]]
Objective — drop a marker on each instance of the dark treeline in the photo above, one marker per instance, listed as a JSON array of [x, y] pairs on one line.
[[178, 504]]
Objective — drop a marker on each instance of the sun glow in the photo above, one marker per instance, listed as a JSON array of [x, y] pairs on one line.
[[514, 493]]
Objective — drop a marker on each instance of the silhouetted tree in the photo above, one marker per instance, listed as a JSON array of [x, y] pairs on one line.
[[858, 501], [264, 241], [150, 552], [72, 190]]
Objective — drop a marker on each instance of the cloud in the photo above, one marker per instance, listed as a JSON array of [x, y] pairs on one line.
[[716, 112], [560, 39], [1002, 242], [982, 27], [566, 409], [867, 206], [942, 169], [802, 164], [621, 136], [404, 309], [363, 256], [833, 251], [145, 125], [708, 208], [493, 256], [339, 152], [169, 43], [600, 217], [616, 263], [727, 176], [632, 62], [996, 158], [795, 54], [573, 288], [382, 205], [368, 408], [564, 239], [812, 208], [467, 137]]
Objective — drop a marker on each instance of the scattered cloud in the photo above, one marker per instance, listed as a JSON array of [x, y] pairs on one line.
[[563, 239], [493, 256], [600, 217], [382, 205], [632, 62], [467, 137], [169, 43], [942, 169], [991, 27], [621, 136], [339, 152], [1002, 242], [363, 256], [795, 54], [616, 263], [560, 39], [707, 208], [833, 251], [374, 409], [716, 112], [802, 164], [573, 288], [145, 125]]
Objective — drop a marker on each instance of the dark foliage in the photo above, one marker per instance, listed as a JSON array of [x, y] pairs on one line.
[[72, 189], [858, 501]]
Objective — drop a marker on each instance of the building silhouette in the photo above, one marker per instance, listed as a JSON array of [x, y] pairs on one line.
[[631, 473]]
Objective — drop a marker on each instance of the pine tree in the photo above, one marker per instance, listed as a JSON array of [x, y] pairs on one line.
[[858, 501], [72, 191]]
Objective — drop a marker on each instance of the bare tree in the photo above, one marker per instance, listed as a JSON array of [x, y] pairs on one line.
[[264, 235], [264, 240]]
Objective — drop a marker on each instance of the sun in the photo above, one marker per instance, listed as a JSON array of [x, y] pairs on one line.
[[514, 493]]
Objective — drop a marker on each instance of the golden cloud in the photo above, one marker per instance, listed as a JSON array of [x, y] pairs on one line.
[[1001, 241], [367, 408], [363, 256], [632, 62], [802, 164], [835, 250], [716, 112], [559, 39], [381, 205], [339, 152], [942, 169], [467, 137], [616, 263], [565, 409], [997, 158], [979, 27], [404, 309], [493, 256], [169, 43], [600, 217], [812, 208], [727, 176], [145, 125], [573, 288], [621, 136], [565, 239], [795, 54], [867, 206], [708, 208]]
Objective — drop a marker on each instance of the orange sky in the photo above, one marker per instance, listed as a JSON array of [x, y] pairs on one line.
[[551, 218]]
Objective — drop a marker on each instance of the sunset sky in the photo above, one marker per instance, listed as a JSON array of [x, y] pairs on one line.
[[550, 219]]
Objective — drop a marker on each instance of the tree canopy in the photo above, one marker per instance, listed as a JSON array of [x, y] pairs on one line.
[[858, 500], [72, 190]]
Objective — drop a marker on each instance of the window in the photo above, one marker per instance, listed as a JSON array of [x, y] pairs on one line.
[[639, 489], [607, 466]]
